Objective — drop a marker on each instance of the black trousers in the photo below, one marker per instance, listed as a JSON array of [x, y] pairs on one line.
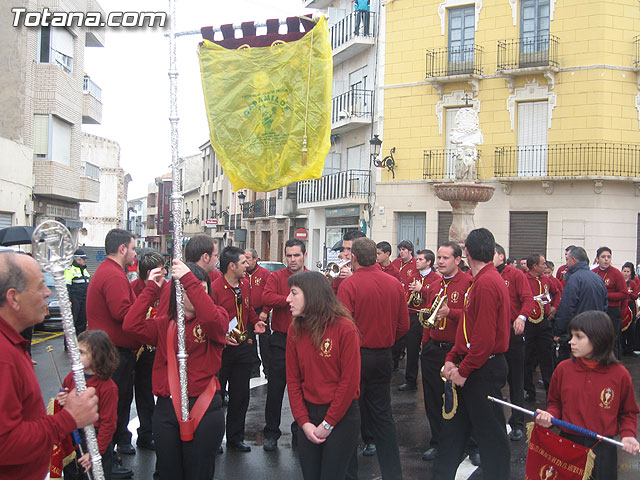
[[615, 314], [432, 358], [515, 377], [236, 370], [329, 460], [124, 380], [486, 419], [79, 312], [362, 16], [538, 349], [375, 399], [144, 394], [276, 384], [606, 465], [194, 460], [413, 339], [74, 471], [27, 334]]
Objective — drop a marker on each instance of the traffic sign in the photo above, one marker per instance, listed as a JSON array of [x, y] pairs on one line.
[[301, 234]]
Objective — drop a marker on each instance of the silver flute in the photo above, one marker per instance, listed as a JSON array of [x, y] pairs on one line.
[[176, 209], [53, 249]]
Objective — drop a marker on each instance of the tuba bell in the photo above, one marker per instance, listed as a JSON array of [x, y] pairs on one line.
[[432, 312], [333, 268]]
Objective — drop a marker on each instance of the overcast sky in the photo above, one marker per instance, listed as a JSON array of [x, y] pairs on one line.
[[132, 69]]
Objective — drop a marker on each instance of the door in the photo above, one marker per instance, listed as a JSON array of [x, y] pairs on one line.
[[532, 139], [461, 39], [534, 33], [413, 227], [266, 246]]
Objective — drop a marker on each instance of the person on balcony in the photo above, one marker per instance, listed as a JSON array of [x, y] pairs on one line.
[[363, 10]]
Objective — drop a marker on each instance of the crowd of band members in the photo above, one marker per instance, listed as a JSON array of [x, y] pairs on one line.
[[499, 320]]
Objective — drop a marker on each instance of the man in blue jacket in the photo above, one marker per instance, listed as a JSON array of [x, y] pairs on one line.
[[584, 290], [362, 8]]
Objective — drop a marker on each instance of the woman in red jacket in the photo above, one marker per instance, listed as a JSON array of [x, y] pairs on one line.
[[323, 376]]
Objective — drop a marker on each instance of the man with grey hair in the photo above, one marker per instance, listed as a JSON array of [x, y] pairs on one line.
[[27, 433]]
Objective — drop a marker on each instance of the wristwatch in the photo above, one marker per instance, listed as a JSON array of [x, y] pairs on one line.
[[326, 425]]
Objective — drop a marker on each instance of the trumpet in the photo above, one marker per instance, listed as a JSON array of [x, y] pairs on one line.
[[238, 335], [415, 299], [431, 321], [543, 298], [333, 268]]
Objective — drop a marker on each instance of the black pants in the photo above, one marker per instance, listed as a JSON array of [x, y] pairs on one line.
[[486, 419], [329, 460], [73, 471], [124, 380], [606, 465], [616, 318], [236, 370], [538, 348], [515, 377], [194, 460], [276, 385], [375, 399], [413, 339], [432, 357], [144, 394], [362, 16], [27, 334], [79, 312]]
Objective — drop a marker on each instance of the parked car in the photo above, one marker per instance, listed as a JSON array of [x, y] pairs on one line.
[[53, 321], [272, 266]]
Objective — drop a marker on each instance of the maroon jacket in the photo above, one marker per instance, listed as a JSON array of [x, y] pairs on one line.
[[392, 270], [486, 322], [109, 298], [223, 296], [275, 296], [539, 286], [560, 273], [426, 281], [257, 281], [455, 289], [519, 292], [406, 270], [377, 304], [617, 290]]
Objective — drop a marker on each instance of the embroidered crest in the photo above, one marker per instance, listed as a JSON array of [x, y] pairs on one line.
[[409, 272], [606, 397], [246, 302], [257, 282], [547, 472], [506, 282], [198, 334], [326, 347], [607, 281], [455, 296]]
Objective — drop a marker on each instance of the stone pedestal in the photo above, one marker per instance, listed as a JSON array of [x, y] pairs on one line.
[[464, 198]]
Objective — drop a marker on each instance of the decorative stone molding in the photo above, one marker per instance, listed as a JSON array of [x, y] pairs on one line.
[[514, 11], [442, 10], [531, 91], [638, 103], [598, 186], [547, 187], [453, 99], [439, 83], [506, 187]]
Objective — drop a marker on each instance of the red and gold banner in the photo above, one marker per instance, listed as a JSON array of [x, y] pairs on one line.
[[63, 453]]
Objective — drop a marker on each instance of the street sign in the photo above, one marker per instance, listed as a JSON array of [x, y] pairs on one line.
[[210, 222], [301, 234]]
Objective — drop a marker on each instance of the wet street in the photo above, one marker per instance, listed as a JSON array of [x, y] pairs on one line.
[[408, 410]]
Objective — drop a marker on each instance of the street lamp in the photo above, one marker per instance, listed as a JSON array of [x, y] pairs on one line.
[[241, 197], [374, 144]]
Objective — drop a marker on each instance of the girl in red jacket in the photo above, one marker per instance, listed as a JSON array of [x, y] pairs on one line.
[[594, 391], [323, 376], [99, 359]]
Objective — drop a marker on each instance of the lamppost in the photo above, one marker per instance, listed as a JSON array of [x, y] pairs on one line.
[[374, 144]]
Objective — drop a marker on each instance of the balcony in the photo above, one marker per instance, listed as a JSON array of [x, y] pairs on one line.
[[351, 110], [55, 180], [526, 56], [316, 3], [92, 102], [350, 186], [454, 64], [439, 164], [568, 160], [346, 43], [256, 209]]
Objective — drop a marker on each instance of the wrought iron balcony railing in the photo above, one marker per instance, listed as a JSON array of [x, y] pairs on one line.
[[345, 29], [534, 51], [439, 163], [568, 160], [354, 103], [341, 185], [636, 51], [90, 87], [464, 60], [254, 209]]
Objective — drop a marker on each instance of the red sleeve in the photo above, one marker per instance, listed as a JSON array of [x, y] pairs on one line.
[[628, 415], [635, 288], [270, 296], [294, 383], [621, 292], [554, 399], [402, 325], [117, 291], [136, 322], [556, 292], [107, 411], [525, 296], [350, 376], [214, 320], [560, 272], [345, 295]]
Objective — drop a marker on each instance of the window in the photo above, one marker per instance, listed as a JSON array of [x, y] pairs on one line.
[[461, 39], [52, 139], [355, 159], [56, 46], [532, 138], [534, 26], [41, 136], [331, 164], [527, 233]]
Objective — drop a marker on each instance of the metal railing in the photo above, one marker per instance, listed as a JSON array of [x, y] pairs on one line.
[[346, 184], [344, 30], [254, 209], [439, 163], [636, 51], [91, 88], [534, 51], [272, 206], [354, 103], [568, 160], [443, 62]]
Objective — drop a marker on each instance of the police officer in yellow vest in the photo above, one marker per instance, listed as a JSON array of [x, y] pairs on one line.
[[77, 278]]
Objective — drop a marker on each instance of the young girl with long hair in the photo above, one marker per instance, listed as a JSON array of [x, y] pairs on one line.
[[594, 391], [323, 376]]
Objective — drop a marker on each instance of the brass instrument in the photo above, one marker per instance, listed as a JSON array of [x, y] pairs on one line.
[[431, 321], [238, 335], [415, 299], [333, 268], [543, 298]]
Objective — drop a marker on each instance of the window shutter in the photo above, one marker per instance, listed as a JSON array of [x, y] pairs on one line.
[[61, 145], [532, 139], [444, 224], [41, 136], [527, 233]]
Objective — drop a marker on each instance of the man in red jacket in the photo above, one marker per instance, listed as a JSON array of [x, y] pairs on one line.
[[275, 296], [378, 306], [476, 362], [257, 277], [383, 254], [108, 300], [563, 268], [27, 433]]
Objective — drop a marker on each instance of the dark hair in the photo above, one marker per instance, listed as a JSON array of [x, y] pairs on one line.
[[569, 248], [510, 260], [321, 306], [229, 255], [603, 249], [11, 276], [406, 244], [148, 262], [533, 259], [463, 266], [353, 234], [481, 245], [579, 254], [197, 246], [500, 250], [384, 247], [294, 242], [115, 238], [550, 265], [365, 251], [200, 274], [597, 326], [457, 250], [428, 256], [630, 266], [104, 354]]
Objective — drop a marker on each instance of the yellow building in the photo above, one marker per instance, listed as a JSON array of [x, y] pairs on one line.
[[558, 97]]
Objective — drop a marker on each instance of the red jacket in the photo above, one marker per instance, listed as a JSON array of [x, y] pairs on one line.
[[406, 270], [560, 273], [224, 296], [600, 399], [519, 292], [486, 322], [205, 336], [617, 290], [426, 281], [377, 304], [392, 270], [275, 296], [330, 375], [107, 393], [455, 289], [539, 286], [137, 286], [109, 298], [257, 281], [167, 291], [558, 284], [27, 433]]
